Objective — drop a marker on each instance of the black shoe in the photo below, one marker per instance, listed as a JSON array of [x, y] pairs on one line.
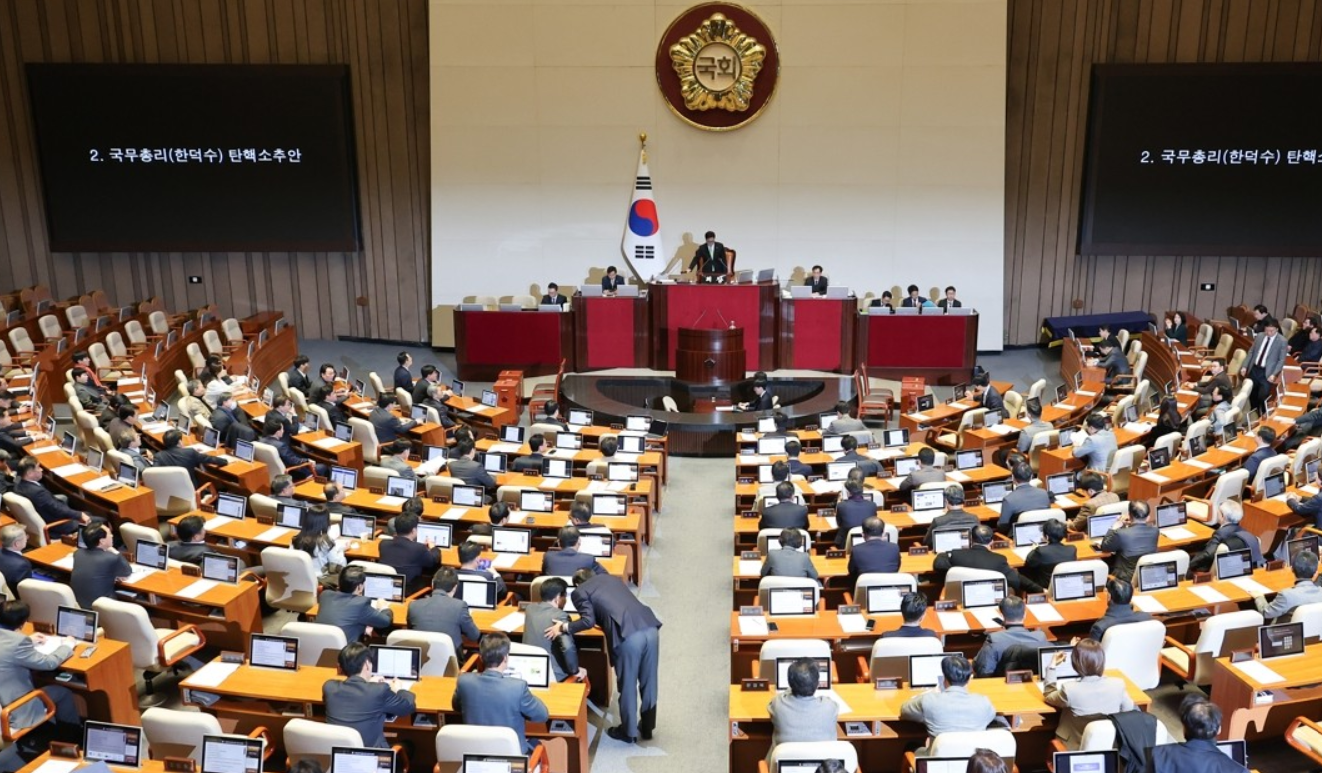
[[618, 733], [646, 723], [646, 735]]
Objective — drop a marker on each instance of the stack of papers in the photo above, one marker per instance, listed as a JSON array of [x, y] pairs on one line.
[[1176, 533], [100, 484], [615, 486], [69, 470], [852, 623], [824, 486], [43, 450], [328, 442], [957, 476], [753, 459], [505, 560], [1258, 671], [1155, 478], [1208, 593], [197, 588], [275, 533], [831, 522], [1083, 393], [753, 626], [1250, 585], [1003, 429], [212, 674], [1199, 463], [985, 617], [505, 448], [953, 621], [509, 623], [920, 417], [925, 516], [1045, 613], [454, 513], [65, 563], [837, 700], [391, 501], [1148, 604], [140, 573], [749, 568]]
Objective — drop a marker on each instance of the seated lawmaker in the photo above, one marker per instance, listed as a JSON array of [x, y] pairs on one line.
[[610, 284], [1202, 724], [567, 560], [952, 708], [978, 555], [387, 425], [553, 296], [949, 301], [28, 474], [886, 301], [799, 714], [364, 700], [1092, 696], [1035, 577], [789, 560], [913, 608], [992, 658], [914, 299], [818, 281], [710, 260], [875, 553]]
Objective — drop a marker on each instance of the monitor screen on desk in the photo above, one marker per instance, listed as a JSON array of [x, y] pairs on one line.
[[927, 499], [946, 540], [1281, 640], [783, 672], [504, 540], [1294, 546], [622, 472], [493, 462], [1065, 671], [1234, 563], [1173, 514], [904, 465], [838, 470], [150, 554], [993, 492], [345, 477], [79, 624], [494, 763], [1026, 534], [112, 744], [1060, 484], [536, 501], [69, 443], [764, 474], [232, 754], [925, 670], [359, 526], [220, 567], [477, 593], [127, 475], [597, 545], [347, 759], [968, 460], [638, 423], [231, 506], [467, 496], [96, 459], [632, 444], [1158, 576], [418, 413], [533, 668], [1100, 761], [243, 450], [436, 535], [1235, 750], [579, 417], [940, 764], [557, 468], [981, 593], [568, 441], [291, 516], [511, 434], [383, 586], [825, 420], [265, 651], [343, 432], [771, 446], [1073, 586], [791, 601], [1197, 445], [391, 662], [926, 402], [1099, 525], [885, 598], [1273, 485], [896, 438], [403, 487], [766, 424], [610, 505], [833, 444]]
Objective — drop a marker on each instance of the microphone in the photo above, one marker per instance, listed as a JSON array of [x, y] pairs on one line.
[[699, 319], [724, 321]]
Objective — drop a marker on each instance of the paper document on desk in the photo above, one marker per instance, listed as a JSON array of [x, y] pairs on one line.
[[750, 625], [831, 522], [157, 426], [827, 486], [751, 460], [140, 573], [747, 437], [1045, 613], [724, 408], [65, 563], [952, 621], [388, 501], [1083, 393], [617, 486], [1176, 533], [1003, 429], [1286, 420], [1148, 604], [1023, 551], [1155, 478], [853, 623], [1258, 671], [749, 568], [504, 448], [1139, 427], [509, 623], [985, 617], [275, 533], [43, 450], [454, 513], [837, 700], [49, 646], [1250, 586], [1199, 463], [505, 560], [1310, 490], [995, 507], [1187, 393], [595, 486], [880, 454], [1061, 407], [563, 453], [58, 766], [427, 469], [329, 443], [920, 417], [1065, 501], [69, 470], [219, 522], [893, 481], [212, 674], [1208, 593], [197, 588], [957, 476]]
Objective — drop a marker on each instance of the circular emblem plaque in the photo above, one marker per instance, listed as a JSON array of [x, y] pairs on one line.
[[717, 66]]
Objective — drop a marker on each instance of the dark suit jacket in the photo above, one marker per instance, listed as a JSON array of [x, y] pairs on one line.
[[1255, 459], [403, 379], [563, 563], [1021, 500], [352, 613], [287, 456], [609, 286], [850, 513], [388, 426], [363, 705], [784, 515], [1036, 574], [1235, 537], [1128, 545], [1195, 754], [908, 631], [188, 458], [231, 427], [954, 519], [976, 558], [94, 574], [15, 569], [710, 261], [409, 558], [559, 300], [529, 462], [799, 468], [335, 412], [48, 507], [419, 389], [761, 402], [946, 303], [992, 400], [440, 613], [492, 699], [1117, 614], [188, 552], [606, 601], [472, 473], [298, 380], [869, 465], [784, 562], [818, 285], [874, 555]]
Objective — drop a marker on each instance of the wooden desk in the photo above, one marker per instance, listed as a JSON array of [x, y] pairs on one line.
[[301, 693], [943, 414], [1170, 482], [528, 564], [323, 446], [818, 333], [105, 680], [1234, 691], [116, 505], [478, 415]]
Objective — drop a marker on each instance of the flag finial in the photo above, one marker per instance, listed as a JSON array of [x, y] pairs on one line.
[[642, 140]]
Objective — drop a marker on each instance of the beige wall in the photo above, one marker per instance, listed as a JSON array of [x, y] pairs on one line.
[[882, 155]]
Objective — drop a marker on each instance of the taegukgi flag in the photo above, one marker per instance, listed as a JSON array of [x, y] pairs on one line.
[[642, 229]]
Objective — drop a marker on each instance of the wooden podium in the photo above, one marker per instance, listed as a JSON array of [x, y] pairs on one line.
[[710, 356]]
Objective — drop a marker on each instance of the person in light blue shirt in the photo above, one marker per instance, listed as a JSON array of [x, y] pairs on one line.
[[1097, 448]]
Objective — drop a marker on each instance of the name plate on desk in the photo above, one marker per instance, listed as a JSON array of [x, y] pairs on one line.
[[1018, 677], [899, 508], [947, 606], [750, 611], [1035, 598], [180, 764], [65, 750], [750, 555], [919, 551], [754, 685], [1000, 544], [1240, 656], [835, 554], [1075, 536], [748, 514], [1275, 565], [849, 609], [1201, 577], [887, 683]]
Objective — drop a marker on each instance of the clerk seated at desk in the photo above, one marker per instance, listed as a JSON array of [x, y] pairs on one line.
[[818, 281], [886, 301], [610, 284], [761, 398], [914, 299], [949, 301], [710, 260], [553, 296]]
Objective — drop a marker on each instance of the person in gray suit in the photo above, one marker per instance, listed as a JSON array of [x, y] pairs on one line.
[[1131, 537], [867, 464], [97, 566], [540, 615], [789, 560], [1304, 591], [441, 612], [952, 708], [19, 658], [349, 609], [492, 699], [787, 513], [567, 560], [799, 714], [1035, 425], [464, 467], [844, 423], [633, 638], [1025, 497], [388, 426], [1265, 361], [364, 700], [998, 643], [1096, 449], [927, 472]]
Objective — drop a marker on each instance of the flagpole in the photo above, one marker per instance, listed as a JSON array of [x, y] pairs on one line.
[[642, 140]]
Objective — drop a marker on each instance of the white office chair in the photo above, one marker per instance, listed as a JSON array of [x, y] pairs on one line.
[[1307, 452], [373, 567], [1097, 566], [1171, 443], [154, 649], [889, 533], [1123, 464], [815, 750], [365, 434], [319, 644], [1035, 390], [133, 533], [879, 579], [177, 733], [378, 388], [308, 740], [1269, 467], [1181, 558], [1134, 649], [1195, 664], [1228, 486], [173, 489], [1311, 616], [44, 599], [764, 535], [1198, 428], [1099, 735], [1042, 515], [50, 327], [211, 340], [438, 655], [965, 743], [21, 510], [291, 579], [233, 331], [453, 741], [897, 649], [441, 485], [777, 649]]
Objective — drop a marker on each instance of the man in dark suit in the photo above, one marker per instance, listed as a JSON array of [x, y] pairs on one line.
[[533, 461], [1112, 361], [610, 284], [875, 553], [191, 545], [1230, 534], [274, 435], [1219, 378], [761, 398], [927, 472], [297, 375], [403, 377], [792, 450], [912, 609], [991, 659], [854, 510], [786, 513], [567, 560], [173, 454], [363, 701], [553, 296], [1266, 436], [463, 466], [333, 404], [540, 615], [406, 555], [97, 566], [469, 553], [710, 260], [442, 612], [949, 301], [1265, 361], [1119, 608], [1025, 497], [226, 420], [491, 699], [388, 426], [348, 608], [1131, 537], [987, 395], [283, 411], [29, 474], [867, 464], [1202, 724], [14, 566], [91, 396], [978, 556], [913, 298], [632, 634], [789, 560], [955, 517], [818, 281], [1035, 577], [429, 376]]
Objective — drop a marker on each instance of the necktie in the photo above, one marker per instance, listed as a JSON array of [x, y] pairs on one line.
[[1262, 355]]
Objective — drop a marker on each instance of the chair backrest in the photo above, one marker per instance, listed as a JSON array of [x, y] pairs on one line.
[[1042, 515], [175, 733], [889, 532], [1170, 442], [1204, 335], [1307, 452], [1122, 336], [1311, 616], [1228, 486], [129, 623], [526, 302], [137, 335], [267, 455], [1140, 365], [669, 403], [323, 418], [195, 356], [376, 477], [1035, 391], [1268, 468], [441, 485], [899, 648], [22, 341], [316, 641], [45, 598], [378, 388], [308, 740], [365, 433], [816, 750], [173, 487], [373, 567], [160, 324], [232, 329], [1014, 404], [453, 741], [263, 506], [438, 655], [535, 589], [1181, 558], [405, 398], [115, 343], [133, 533], [291, 579], [20, 509], [1099, 735], [964, 743], [767, 583], [1096, 565], [211, 340], [77, 316], [776, 649], [966, 421], [765, 534], [1134, 649], [50, 327], [1208, 647]]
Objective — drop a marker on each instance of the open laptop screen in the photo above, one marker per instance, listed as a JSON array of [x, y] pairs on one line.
[[885, 598], [112, 744], [925, 670], [981, 593], [533, 668], [1158, 576], [791, 601], [1100, 761], [383, 586], [927, 499], [232, 754], [945, 540], [345, 477], [479, 594], [345, 759], [1173, 514], [273, 651], [76, 623], [1234, 563], [392, 662], [1073, 586], [1278, 641]]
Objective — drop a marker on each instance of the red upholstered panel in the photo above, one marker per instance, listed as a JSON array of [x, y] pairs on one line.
[[513, 337], [816, 335], [610, 333], [929, 341]]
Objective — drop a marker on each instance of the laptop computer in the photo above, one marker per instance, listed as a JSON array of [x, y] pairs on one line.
[[1099, 761], [895, 438], [771, 446], [494, 763], [466, 496], [345, 477], [981, 593], [1280, 640], [1157, 576], [477, 593], [1060, 484], [437, 535], [568, 441], [231, 506], [1273, 485], [1159, 458], [267, 651], [118, 745], [493, 462], [783, 673], [925, 500], [399, 486], [1234, 563], [537, 501], [533, 668], [1235, 750], [347, 759], [1073, 586], [944, 540], [833, 444], [993, 492], [232, 754], [220, 568], [885, 598], [925, 670], [291, 516], [1099, 525], [610, 505], [1026, 534], [359, 526], [78, 624], [393, 662], [511, 434], [622, 472], [506, 540], [383, 586], [968, 460], [904, 465], [791, 601]]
